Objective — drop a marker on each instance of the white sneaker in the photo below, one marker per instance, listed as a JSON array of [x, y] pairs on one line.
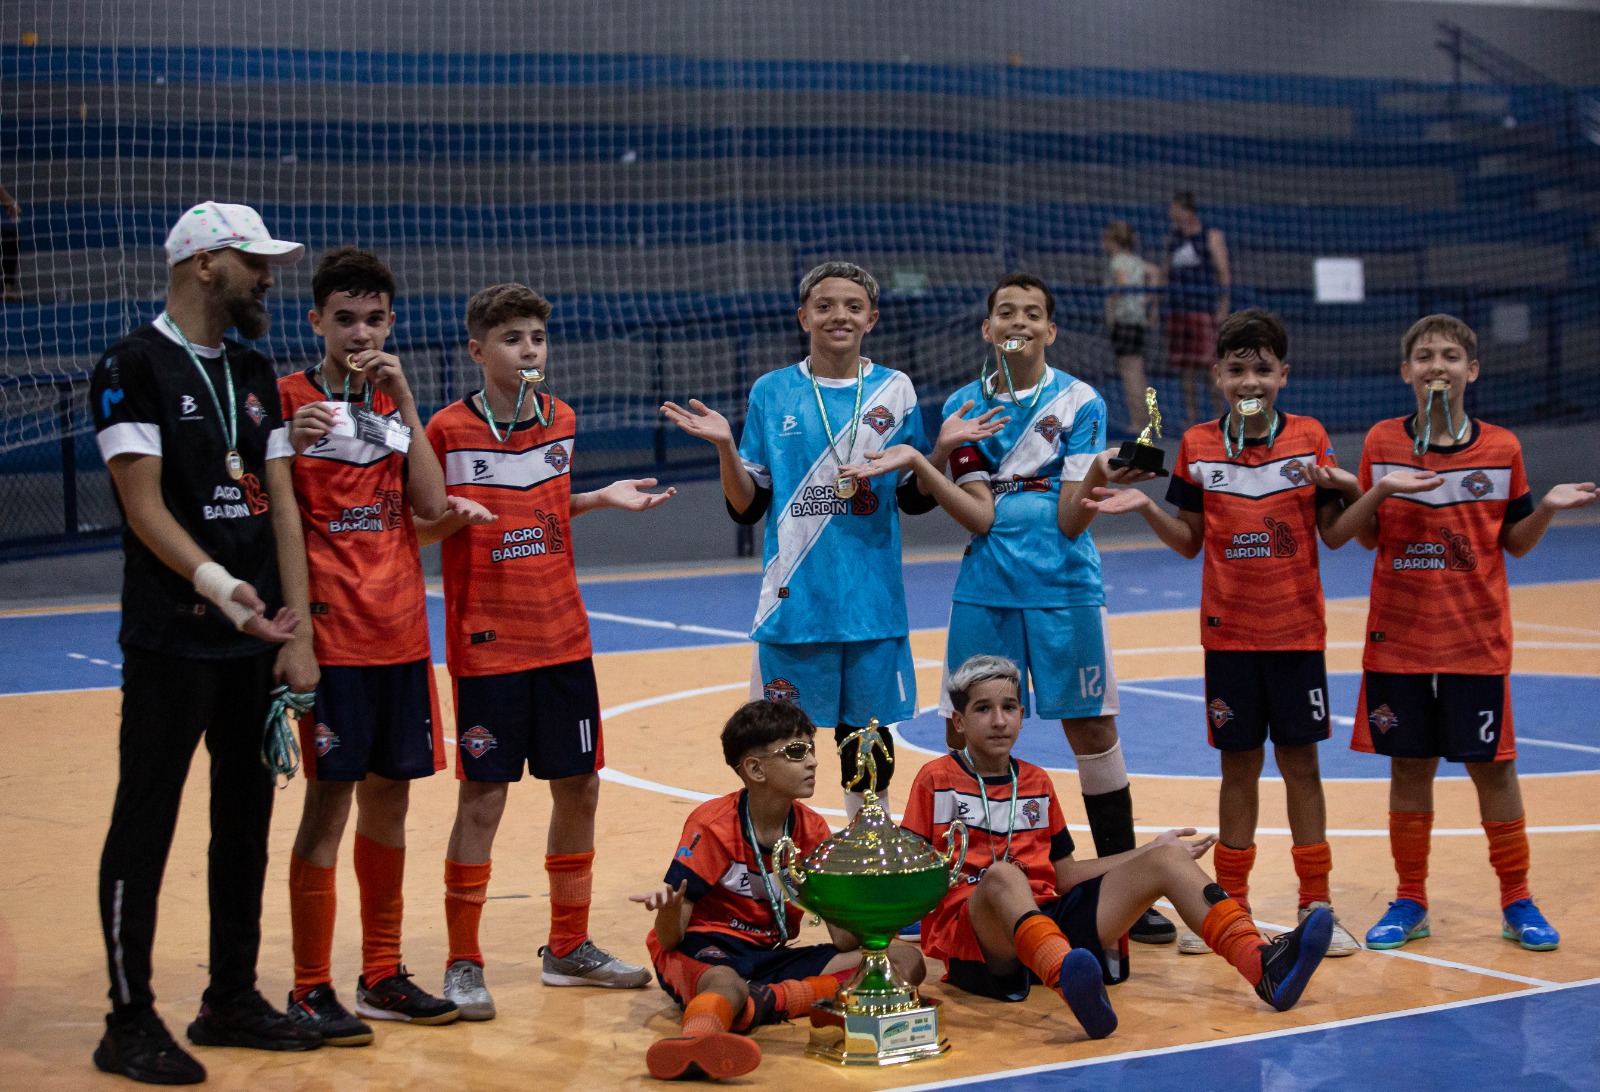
[[1343, 943], [591, 965], [464, 988], [1189, 943]]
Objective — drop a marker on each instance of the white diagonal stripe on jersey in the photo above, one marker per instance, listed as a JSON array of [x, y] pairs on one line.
[[1253, 482], [797, 534], [347, 449], [508, 469], [1463, 486], [1033, 452], [951, 804]]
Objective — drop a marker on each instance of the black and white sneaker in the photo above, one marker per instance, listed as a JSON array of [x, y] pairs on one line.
[[1287, 961], [1153, 928], [142, 1049], [320, 1009], [399, 998], [250, 1021]]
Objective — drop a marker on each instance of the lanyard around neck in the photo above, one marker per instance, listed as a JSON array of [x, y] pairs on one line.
[[855, 417], [540, 412], [983, 795], [1233, 447], [230, 422], [366, 388], [769, 881]]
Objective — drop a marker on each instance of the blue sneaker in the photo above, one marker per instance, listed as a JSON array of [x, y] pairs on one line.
[[1524, 924], [1288, 961], [1404, 921], [911, 934], [1084, 991]]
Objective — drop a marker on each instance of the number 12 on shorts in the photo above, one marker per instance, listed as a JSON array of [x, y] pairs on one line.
[[1089, 685]]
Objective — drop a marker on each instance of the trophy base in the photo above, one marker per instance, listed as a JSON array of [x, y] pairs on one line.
[[1145, 457], [876, 1037]]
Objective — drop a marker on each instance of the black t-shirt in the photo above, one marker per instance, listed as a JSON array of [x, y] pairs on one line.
[[148, 399]]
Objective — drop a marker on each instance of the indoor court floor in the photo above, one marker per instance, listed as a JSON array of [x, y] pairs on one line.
[[1464, 1009]]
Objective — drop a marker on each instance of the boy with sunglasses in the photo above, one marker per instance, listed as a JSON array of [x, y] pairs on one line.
[[720, 945]]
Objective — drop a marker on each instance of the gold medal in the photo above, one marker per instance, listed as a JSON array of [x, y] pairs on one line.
[[845, 486], [235, 466], [1249, 407], [1439, 385], [1012, 344], [532, 375]]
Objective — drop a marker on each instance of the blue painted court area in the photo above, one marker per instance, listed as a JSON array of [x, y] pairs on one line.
[[1507, 1042]]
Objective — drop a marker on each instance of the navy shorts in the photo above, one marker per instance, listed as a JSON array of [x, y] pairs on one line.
[[546, 719], [1251, 695], [755, 963], [1076, 913], [382, 720], [1462, 718]]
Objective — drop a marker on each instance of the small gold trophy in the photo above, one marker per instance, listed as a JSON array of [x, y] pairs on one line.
[[1142, 454], [873, 878]]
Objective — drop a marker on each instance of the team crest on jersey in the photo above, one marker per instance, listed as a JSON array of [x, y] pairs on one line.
[[1383, 718], [781, 691], [254, 495], [1048, 426], [1284, 544], [1458, 550], [1030, 812], [1295, 471], [253, 407], [879, 418], [710, 952], [478, 741], [1218, 712], [865, 502], [1478, 484], [557, 457], [326, 739]]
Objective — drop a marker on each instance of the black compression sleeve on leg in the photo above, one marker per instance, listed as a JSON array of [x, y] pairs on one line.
[[1111, 821], [1213, 894]]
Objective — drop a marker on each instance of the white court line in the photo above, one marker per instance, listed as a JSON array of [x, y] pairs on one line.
[[655, 623], [1263, 1036]]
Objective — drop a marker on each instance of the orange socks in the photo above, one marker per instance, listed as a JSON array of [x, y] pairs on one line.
[[1508, 854], [571, 880], [707, 1014], [312, 903], [380, 874], [1409, 834], [1230, 933], [1041, 946], [1233, 870], [465, 888], [796, 996], [1312, 864]]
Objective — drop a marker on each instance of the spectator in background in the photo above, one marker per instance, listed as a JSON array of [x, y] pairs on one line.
[[1129, 314], [10, 248], [1197, 296]]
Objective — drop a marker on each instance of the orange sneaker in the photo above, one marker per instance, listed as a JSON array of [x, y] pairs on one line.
[[722, 1054]]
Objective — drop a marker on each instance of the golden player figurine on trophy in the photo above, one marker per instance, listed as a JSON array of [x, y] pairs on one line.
[[1142, 454], [872, 879]]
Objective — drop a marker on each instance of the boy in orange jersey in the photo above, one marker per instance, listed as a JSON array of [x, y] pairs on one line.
[[720, 942], [517, 641], [1446, 499], [375, 726], [1022, 904], [1253, 491]]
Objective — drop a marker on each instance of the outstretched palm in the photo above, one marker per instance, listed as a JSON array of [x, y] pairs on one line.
[[699, 420]]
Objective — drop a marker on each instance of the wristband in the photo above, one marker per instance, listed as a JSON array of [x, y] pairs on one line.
[[218, 585]]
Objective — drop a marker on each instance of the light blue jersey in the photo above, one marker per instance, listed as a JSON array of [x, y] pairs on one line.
[[831, 567], [1024, 560]]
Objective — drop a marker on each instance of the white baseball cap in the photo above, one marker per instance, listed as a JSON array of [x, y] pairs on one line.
[[213, 226]]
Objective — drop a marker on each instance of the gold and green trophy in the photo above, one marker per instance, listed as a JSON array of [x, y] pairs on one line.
[[873, 879]]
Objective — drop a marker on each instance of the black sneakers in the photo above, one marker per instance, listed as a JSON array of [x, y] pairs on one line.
[[1288, 961], [399, 998], [1153, 928], [249, 1021], [320, 1009], [142, 1049]]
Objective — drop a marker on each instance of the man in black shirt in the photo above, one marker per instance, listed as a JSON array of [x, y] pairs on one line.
[[189, 424]]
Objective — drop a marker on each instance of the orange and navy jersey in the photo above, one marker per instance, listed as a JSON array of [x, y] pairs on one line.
[[722, 869], [368, 601], [1439, 600], [1259, 587], [510, 588], [946, 789]]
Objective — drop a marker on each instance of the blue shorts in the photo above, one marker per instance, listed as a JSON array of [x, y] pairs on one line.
[[1250, 695], [1077, 914], [839, 682], [382, 719], [1065, 652], [547, 718]]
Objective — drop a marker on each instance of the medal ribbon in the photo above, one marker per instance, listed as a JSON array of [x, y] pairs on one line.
[[230, 423], [768, 881], [366, 393], [993, 381], [983, 794], [1425, 433], [827, 426], [1232, 447], [539, 412]]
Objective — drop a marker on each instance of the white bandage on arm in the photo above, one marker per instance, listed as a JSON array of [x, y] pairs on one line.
[[1102, 773], [218, 585]]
